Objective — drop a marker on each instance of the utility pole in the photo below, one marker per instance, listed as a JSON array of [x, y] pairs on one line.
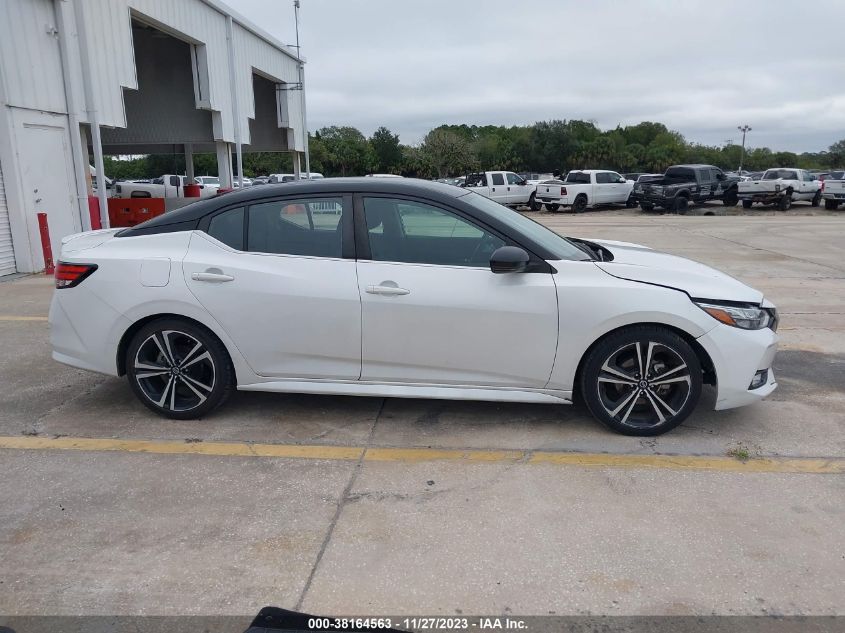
[[302, 93], [744, 129]]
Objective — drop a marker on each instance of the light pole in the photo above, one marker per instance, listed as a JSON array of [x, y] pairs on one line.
[[302, 94], [744, 129]]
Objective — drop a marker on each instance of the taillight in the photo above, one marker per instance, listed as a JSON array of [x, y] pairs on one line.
[[821, 188], [563, 191], [70, 275]]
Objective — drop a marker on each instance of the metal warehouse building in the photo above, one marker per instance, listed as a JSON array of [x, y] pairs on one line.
[[83, 78]]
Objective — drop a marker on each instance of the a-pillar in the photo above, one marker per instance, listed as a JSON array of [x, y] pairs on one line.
[[224, 164]]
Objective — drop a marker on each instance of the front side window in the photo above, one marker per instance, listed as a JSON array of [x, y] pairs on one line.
[[310, 227], [513, 179], [604, 177], [417, 233]]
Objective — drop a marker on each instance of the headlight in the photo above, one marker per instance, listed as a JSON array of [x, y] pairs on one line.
[[747, 317]]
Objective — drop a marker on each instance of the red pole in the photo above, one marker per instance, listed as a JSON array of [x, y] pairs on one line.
[[49, 268], [94, 212]]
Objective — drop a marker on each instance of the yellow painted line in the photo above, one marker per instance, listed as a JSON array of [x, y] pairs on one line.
[[440, 454], [800, 465], [12, 317]]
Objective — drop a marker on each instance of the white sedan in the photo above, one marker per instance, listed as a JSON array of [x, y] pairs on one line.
[[403, 288]]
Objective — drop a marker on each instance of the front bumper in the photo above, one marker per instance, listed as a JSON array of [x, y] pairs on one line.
[[737, 356]]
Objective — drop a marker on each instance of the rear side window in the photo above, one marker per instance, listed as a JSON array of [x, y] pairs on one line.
[[228, 227], [498, 179], [310, 227], [578, 177]]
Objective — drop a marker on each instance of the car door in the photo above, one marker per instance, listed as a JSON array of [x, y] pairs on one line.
[[498, 188], [604, 187], [434, 313], [518, 190], [279, 277]]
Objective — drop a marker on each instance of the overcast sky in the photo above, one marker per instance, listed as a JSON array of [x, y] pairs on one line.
[[700, 67]]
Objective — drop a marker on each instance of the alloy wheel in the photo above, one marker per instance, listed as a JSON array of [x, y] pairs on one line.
[[174, 370], [644, 384]]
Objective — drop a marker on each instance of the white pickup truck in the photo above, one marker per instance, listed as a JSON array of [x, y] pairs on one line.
[[780, 187], [166, 186], [833, 192], [586, 188], [505, 187]]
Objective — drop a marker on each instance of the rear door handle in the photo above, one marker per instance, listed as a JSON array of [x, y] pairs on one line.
[[212, 277], [387, 290]]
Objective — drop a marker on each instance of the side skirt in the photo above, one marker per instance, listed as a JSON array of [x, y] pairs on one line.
[[401, 390]]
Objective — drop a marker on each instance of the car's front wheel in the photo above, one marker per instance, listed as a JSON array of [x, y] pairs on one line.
[[178, 369], [642, 380], [817, 199]]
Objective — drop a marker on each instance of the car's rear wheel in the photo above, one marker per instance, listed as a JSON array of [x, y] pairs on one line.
[[816, 201], [178, 369], [580, 204], [643, 380], [747, 204], [552, 207]]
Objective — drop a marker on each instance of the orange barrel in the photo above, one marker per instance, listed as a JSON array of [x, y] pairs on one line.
[[192, 191]]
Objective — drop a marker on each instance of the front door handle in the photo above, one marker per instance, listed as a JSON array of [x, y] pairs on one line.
[[212, 277], [387, 290]]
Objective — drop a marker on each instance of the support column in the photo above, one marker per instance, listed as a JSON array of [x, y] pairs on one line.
[[297, 169], [224, 164], [189, 162]]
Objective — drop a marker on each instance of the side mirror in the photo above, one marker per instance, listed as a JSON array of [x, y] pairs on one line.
[[508, 259], [720, 176], [523, 182]]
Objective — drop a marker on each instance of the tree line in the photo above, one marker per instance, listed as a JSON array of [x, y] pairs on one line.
[[451, 150]]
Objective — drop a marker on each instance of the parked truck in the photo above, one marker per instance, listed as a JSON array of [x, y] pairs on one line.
[[166, 186], [583, 188], [505, 187], [833, 192], [781, 187], [683, 186]]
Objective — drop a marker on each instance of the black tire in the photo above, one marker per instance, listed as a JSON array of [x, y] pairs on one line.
[[647, 207], [747, 204], [631, 203], [533, 204], [580, 204], [785, 202], [680, 205], [730, 198], [634, 405], [552, 207], [831, 205], [816, 201], [173, 351]]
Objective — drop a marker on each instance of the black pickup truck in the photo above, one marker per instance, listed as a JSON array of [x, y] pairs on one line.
[[683, 186]]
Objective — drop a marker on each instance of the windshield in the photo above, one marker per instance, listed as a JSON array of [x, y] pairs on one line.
[[557, 245]]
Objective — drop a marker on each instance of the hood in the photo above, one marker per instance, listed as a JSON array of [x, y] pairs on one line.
[[635, 262], [88, 239]]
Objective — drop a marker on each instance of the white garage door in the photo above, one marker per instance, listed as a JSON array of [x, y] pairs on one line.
[[7, 255]]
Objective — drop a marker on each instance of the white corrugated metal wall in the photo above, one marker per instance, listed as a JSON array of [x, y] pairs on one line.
[[7, 253]]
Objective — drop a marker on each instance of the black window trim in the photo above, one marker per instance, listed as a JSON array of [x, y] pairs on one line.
[[536, 264]]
